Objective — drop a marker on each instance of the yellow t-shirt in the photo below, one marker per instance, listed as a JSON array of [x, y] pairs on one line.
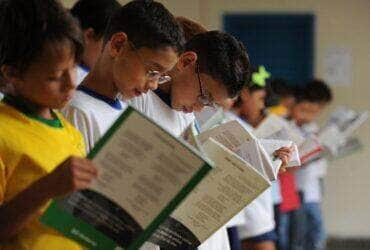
[[279, 110], [30, 149]]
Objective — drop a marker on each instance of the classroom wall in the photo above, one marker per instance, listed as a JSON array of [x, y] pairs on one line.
[[339, 23]]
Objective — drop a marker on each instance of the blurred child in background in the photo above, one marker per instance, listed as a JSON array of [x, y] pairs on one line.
[[93, 16], [258, 230], [310, 101]]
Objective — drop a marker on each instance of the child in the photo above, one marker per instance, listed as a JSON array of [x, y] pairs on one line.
[[200, 78], [285, 194], [41, 152], [141, 44], [310, 101], [93, 16], [258, 230], [280, 97]]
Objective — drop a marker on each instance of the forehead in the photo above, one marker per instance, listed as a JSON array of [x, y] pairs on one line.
[[55, 53], [311, 106], [259, 93]]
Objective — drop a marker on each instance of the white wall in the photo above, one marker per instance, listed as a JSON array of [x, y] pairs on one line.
[[340, 23]]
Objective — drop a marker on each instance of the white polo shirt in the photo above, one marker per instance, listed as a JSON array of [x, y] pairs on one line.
[[92, 114], [81, 73]]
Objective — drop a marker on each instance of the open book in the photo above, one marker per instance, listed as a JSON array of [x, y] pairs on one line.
[[276, 127], [209, 118], [243, 170], [222, 194], [258, 153], [144, 174], [343, 122]]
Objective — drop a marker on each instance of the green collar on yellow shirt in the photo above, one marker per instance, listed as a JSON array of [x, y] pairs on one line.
[[23, 107]]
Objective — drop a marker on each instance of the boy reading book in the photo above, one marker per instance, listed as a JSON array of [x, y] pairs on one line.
[[141, 44], [310, 101], [93, 16], [41, 152]]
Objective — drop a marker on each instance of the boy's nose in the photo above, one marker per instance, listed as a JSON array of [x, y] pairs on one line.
[[70, 80]]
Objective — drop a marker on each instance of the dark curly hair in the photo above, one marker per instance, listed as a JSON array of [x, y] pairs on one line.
[[223, 57], [26, 26], [94, 14], [315, 91]]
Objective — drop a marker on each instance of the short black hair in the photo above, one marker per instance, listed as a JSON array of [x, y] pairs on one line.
[[315, 91], [282, 88], [148, 24], [27, 26], [94, 14], [223, 57]]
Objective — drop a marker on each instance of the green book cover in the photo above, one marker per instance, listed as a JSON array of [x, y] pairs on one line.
[[144, 174]]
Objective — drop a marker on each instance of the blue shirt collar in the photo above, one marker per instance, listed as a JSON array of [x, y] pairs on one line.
[[114, 103], [165, 97], [84, 67]]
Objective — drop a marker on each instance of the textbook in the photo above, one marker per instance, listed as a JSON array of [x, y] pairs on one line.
[[221, 195], [342, 123], [209, 118], [276, 127], [258, 153], [144, 174]]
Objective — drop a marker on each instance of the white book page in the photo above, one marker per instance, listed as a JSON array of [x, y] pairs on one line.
[[276, 127], [231, 134], [229, 188], [270, 146], [249, 152]]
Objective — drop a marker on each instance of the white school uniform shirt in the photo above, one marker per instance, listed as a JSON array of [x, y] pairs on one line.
[[175, 122], [308, 176], [1, 96], [258, 215], [81, 73], [93, 116]]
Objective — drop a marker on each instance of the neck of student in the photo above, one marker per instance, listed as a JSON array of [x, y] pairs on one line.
[[166, 87], [100, 80], [35, 109]]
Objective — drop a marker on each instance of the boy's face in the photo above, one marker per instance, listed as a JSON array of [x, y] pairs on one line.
[[189, 87], [252, 105], [133, 68], [306, 112], [48, 82], [288, 102]]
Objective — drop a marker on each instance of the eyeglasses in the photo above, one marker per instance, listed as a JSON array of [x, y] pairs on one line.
[[152, 75], [204, 98]]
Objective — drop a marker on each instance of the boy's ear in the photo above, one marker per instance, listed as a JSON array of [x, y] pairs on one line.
[[244, 94], [9, 73], [187, 59], [117, 43], [89, 34]]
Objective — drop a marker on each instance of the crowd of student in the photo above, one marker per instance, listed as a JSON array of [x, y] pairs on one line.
[[138, 54]]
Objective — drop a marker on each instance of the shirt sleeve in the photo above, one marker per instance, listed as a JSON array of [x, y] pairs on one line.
[[85, 124]]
